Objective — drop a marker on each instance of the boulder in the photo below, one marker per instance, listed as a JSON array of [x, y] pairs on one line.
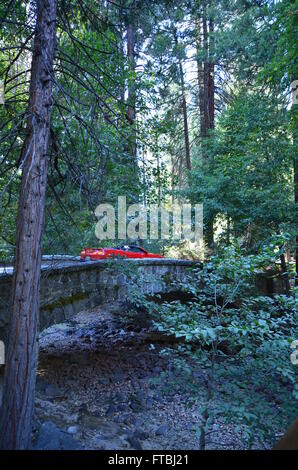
[[50, 437]]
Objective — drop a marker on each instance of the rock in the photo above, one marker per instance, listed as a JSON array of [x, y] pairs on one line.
[[137, 401], [41, 384], [101, 444], [140, 395], [122, 407], [162, 430], [141, 374], [152, 384], [136, 406], [118, 376], [149, 403], [53, 392], [104, 381], [45, 388], [134, 442], [158, 397], [35, 423], [111, 409], [118, 419], [129, 418], [90, 420], [120, 397], [140, 434], [50, 437], [139, 422], [83, 408], [132, 419], [72, 430]]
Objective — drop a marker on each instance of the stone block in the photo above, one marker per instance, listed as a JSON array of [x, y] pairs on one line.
[[62, 287]]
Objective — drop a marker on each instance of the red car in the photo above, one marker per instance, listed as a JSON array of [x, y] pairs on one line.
[[125, 251]]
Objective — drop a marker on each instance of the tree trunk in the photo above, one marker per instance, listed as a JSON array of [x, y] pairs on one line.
[[185, 119], [211, 75], [296, 190], [186, 133], [294, 119], [131, 99], [228, 230], [200, 75], [22, 351], [184, 110], [284, 269], [131, 111], [206, 72], [285, 274], [208, 100], [290, 439]]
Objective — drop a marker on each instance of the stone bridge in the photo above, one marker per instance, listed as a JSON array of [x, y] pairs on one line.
[[69, 286]]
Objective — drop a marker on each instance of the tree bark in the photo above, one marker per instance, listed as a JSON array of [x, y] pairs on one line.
[[206, 72], [208, 101], [184, 110], [22, 352], [131, 111], [295, 188], [200, 75], [211, 75], [285, 275], [131, 97], [186, 132], [290, 439]]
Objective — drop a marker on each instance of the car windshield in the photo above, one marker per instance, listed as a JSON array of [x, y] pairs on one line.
[[133, 248]]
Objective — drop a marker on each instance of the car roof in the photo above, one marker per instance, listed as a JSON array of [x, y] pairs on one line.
[[121, 247]]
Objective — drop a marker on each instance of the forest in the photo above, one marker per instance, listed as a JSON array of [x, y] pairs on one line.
[[165, 103]]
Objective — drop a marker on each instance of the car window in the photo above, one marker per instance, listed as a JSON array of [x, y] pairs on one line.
[[136, 249], [132, 248]]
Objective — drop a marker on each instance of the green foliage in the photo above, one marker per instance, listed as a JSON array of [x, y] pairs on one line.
[[233, 356], [246, 179], [248, 176]]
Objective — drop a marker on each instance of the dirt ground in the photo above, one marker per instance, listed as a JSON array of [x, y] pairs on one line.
[[110, 389]]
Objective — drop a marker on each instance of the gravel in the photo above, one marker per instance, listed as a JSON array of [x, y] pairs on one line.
[[111, 391]]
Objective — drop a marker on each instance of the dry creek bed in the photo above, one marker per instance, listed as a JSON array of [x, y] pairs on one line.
[[101, 386]]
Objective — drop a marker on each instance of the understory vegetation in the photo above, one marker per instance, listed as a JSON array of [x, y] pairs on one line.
[[238, 343], [164, 102]]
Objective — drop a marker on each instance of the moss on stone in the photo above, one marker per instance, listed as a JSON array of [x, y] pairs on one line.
[[167, 278], [63, 301]]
